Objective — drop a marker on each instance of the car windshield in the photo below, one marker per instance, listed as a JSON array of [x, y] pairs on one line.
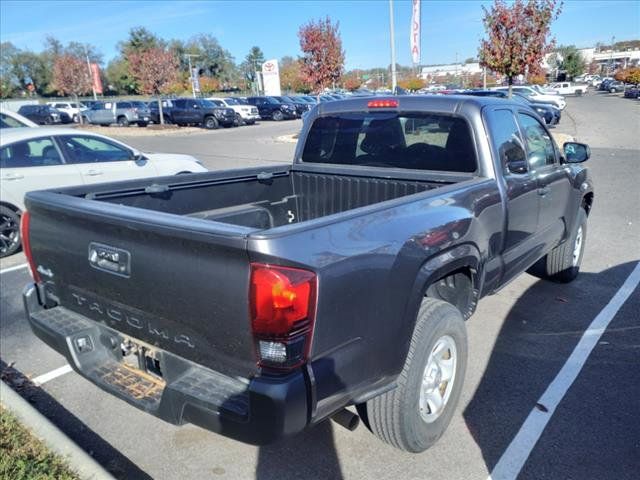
[[272, 100], [421, 141], [232, 101]]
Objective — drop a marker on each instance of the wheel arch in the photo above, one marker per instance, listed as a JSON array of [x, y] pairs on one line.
[[11, 206]]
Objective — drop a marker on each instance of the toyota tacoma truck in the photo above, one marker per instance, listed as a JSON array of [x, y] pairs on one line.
[[259, 302]]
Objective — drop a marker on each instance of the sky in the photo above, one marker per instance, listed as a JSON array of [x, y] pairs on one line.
[[450, 29]]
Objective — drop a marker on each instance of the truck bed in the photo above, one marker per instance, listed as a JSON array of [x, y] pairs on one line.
[[266, 201]]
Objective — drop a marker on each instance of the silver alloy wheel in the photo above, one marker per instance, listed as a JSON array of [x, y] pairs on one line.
[[438, 378], [577, 247]]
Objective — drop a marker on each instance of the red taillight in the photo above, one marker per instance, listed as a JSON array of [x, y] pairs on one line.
[[26, 245], [389, 103], [282, 301]]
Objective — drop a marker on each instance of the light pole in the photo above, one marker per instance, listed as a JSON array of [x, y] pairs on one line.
[[193, 86], [93, 87], [394, 79], [613, 40]]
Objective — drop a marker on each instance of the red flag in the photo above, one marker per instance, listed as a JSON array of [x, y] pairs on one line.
[[95, 74]]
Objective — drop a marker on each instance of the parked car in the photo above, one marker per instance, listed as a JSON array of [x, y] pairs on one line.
[[259, 302], [122, 113], [568, 88], [632, 91], [65, 118], [603, 84], [9, 119], [271, 109], [74, 110], [535, 96], [196, 111], [550, 114], [40, 114], [39, 158], [245, 114], [614, 86], [301, 106]]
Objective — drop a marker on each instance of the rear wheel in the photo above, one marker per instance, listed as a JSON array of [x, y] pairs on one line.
[[9, 231], [210, 123], [123, 122], [85, 120], [238, 122], [414, 415], [277, 116], [48, 120], [562, 264]]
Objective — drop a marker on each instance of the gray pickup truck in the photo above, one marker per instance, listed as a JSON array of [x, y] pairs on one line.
[[122, 113], [259, 302]]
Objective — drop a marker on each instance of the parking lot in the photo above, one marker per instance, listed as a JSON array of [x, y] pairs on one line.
[[519, 341]]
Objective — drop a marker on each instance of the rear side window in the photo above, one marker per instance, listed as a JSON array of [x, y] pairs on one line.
[[506, 138], [86, 149], [40, 152], [394, 140], [124, 105]]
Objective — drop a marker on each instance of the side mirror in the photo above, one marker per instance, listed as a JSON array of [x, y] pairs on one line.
[[517, 166], [576, 152]]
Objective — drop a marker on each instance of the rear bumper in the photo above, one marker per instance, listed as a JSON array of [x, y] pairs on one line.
[[256, 411]]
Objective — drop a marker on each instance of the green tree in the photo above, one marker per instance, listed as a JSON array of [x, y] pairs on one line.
[[568, 59], [252, 62], [118, 78], [9, 84]]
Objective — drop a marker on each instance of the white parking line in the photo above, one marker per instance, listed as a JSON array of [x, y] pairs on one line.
[[14, 268], [516, 454], [58, 372]]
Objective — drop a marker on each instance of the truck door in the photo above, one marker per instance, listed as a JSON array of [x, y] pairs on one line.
[[520, 244], [553, 183], [178, 111]]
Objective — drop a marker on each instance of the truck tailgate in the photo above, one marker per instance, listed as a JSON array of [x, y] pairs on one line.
[[177, 283]]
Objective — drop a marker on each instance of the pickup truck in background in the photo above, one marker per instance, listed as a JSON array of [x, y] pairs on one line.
[[567, 88], [196, 111], [259, 302], [121, 113]]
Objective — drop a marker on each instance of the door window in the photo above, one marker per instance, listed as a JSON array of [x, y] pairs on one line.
[[540, 151], [40, 152], [85, 149], [506, 140]]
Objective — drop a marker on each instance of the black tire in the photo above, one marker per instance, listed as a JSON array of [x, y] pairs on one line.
[[559, 264], [9, 231], [105, 124], [250, 122], [579, 93], [75, 119], [123, 121], [210, 123], [142, 124], [395, 416], [612, 90], [277, 116], [85, 120], [239, 121], [48, 120]]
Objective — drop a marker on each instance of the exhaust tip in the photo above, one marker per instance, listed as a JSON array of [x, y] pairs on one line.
[[346, 419]]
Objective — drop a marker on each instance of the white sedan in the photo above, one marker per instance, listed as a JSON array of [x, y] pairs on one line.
[[42, 158]]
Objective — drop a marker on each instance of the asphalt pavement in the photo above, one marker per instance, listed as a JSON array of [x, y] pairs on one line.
[[520, 341]]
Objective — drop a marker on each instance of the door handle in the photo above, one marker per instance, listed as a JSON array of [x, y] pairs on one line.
[[12, 176], [543, 191], [94, 173]]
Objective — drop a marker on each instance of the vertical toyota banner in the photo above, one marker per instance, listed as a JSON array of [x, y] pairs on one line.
[[95, 78], [415, 31], [271, 77]]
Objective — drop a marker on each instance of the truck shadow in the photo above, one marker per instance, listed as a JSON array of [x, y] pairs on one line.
[[310, 454], [536, 339], [102, 451]]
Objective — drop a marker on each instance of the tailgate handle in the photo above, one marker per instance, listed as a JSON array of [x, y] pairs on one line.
[[110, 259], [93, 173]]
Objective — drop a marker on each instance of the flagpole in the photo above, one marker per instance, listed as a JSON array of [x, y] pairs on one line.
[[394, 80]]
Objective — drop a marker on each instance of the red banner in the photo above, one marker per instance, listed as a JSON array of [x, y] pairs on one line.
[[95, 74]]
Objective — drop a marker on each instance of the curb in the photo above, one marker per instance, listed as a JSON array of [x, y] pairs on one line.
[[79, 460]]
